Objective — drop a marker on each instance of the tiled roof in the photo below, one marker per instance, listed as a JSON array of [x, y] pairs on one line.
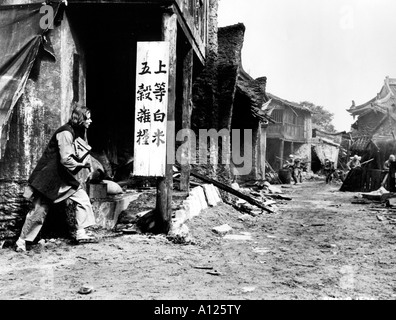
[[288, 103], [361, 143], [384, 101]]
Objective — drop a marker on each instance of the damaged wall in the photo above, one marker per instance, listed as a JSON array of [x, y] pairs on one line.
[[219, 104], [242, 119], [43, 107], [230, 48], [205, 111], [205, 107]]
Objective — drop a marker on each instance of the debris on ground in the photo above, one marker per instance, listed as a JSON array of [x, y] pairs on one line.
[[242, 193], [235, 186], [263, 193], [222, 230], [391, 202], [137, 215], [244, 217], [85, 290], [261, 250], [238, 237], [376, 195], [214, 273], [313, 176], [203, 267], [361, 201], [308, 270]]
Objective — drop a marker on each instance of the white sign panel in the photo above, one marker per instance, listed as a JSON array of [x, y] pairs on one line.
[[152, 77]]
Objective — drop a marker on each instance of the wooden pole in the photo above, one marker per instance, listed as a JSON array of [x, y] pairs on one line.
[[263, 148], [165, 185], [281, 148], [186, 118]]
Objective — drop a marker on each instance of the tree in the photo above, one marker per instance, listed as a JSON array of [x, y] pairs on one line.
[[321, 118]]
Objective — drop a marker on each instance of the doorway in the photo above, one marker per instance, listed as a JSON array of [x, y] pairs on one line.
[[108, 36]]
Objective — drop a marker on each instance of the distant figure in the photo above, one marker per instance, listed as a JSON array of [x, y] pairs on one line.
[[387, 163], [289, 162], [329, 170], [354, 162], [297, 171], [294, 165]]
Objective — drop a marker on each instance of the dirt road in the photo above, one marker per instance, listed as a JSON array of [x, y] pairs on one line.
[[319, 246]]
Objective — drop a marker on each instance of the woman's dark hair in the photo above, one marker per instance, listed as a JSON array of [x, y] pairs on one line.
[[79, 115], [77, 118]]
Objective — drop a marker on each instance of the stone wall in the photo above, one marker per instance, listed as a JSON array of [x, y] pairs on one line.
[[44, 106]]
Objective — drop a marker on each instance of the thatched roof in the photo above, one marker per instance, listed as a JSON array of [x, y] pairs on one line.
[[234, 77], [254, 91]]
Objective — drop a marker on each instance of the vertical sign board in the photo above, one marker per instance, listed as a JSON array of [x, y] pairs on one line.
[[152, 77]]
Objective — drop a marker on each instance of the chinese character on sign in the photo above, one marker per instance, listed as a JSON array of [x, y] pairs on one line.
[[157, 137], [143, 115], [145, 69], [159, 116], [142, 137], [151, 92], [159, 91], [144, 93], [161, 65]]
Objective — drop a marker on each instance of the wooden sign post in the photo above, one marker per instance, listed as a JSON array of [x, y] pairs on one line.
[[152, 76], [165, 185]]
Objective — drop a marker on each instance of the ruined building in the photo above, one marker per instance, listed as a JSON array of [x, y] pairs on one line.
[[88, 55], [373, 132], [290, 134], [231, 99]]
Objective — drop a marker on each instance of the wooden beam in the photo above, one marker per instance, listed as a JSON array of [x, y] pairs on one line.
[[190, 38], [263, 148], [165, 185], [231, 190], [281, 150], [186, 118]]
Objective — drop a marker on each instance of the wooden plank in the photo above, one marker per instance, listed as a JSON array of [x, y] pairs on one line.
[[186, 118], [152, 76], [165, 185], [187, 31], [263, 148], [281, 149], [231, 190]]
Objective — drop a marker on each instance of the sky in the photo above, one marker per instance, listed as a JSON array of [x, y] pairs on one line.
[[328, 52]]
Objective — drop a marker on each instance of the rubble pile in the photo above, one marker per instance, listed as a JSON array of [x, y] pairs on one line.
[[263, 192], [381, 202]]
